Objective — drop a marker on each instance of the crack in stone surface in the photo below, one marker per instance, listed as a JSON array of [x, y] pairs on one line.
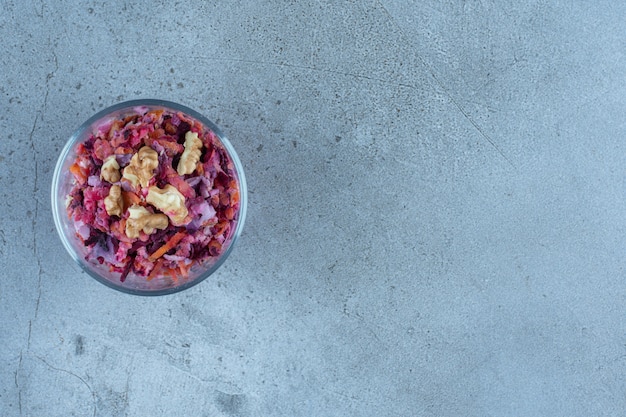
[[445, 90], [93, 394], [30, 329], [35, 244], [35, 216], [17, 384], [313, 68]]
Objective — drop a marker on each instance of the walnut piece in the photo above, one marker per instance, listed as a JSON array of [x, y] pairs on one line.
[[170, 201], [141, 167], [113, 202], [141, 219], [110, 170], [191, 154]]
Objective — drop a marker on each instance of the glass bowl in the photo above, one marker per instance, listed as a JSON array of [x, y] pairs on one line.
[[63, 181]]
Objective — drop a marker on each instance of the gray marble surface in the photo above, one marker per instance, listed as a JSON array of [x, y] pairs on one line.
[[436, 217]]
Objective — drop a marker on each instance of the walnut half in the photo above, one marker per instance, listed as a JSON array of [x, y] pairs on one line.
[[170, 201], [113, 202], [110, 170], [141, 219], [141, 167], [191, 154]]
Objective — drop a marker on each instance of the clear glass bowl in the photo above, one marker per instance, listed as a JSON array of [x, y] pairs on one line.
[[63, 181]]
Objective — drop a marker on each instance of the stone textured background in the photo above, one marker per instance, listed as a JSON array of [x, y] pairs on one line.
[[436, 222]]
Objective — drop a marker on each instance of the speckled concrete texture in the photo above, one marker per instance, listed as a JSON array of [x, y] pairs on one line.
[[436, 223]]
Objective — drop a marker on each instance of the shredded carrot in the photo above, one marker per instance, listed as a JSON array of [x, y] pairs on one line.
[[123, 150], [79, 173], [157, 133], [167, 246], [234, 198], [200, 168], [129, 198], [172, 273], [157, 268], [157, 113], [184, 269], [229, 213]]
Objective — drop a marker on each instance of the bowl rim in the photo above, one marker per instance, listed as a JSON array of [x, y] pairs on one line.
[[130, 104]]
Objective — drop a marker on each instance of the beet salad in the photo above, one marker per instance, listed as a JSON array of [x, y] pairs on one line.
[[155, 193]]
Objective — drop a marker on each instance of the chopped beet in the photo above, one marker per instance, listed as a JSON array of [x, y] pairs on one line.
[[88, 144], [199, 251], [222, 180], [181, 130], [126, 270], [96, 237], [175, 160]]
